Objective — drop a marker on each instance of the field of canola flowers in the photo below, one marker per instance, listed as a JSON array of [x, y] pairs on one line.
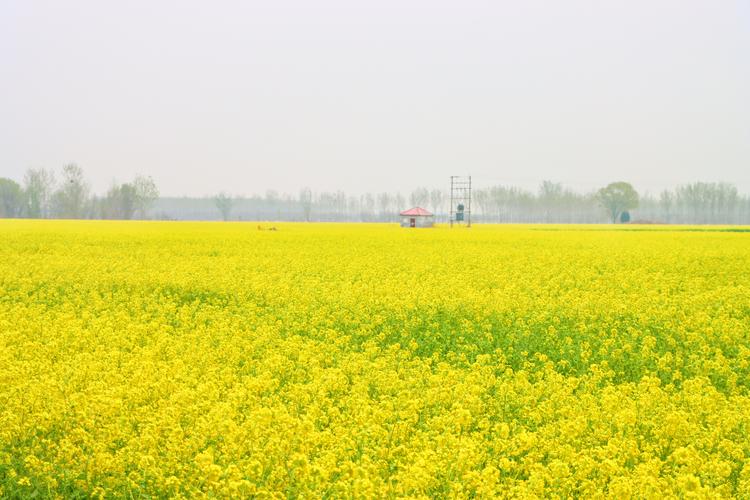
[[213, 360]]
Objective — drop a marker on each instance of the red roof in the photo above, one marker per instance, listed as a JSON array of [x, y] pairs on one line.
[[417, 211]]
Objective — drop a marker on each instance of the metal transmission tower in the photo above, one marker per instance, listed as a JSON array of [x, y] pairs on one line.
[[461, 200]]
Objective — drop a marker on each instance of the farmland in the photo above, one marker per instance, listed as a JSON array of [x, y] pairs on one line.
[[205, 360]]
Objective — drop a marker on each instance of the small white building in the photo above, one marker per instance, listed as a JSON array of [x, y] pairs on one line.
[[416, 217]]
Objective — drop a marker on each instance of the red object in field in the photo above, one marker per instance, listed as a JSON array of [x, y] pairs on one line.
[[416, 211]]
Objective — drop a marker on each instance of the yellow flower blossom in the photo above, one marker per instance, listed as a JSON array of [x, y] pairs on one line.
[[203, 360]]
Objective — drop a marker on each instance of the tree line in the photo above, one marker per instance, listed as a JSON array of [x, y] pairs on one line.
[[308, 206], [698, 203], [42, 196]]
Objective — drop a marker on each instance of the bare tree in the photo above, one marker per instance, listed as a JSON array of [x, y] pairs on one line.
[[340, 201], [436, 200], [730, 199], [482, 199], [367, 207], [400, 202], [73, 192], [419, 197], [549, 196], [352, 206], [385, 207], [239, 204], [146, 194], [271, 198], [325, 204], [666, 200], [305, 199]]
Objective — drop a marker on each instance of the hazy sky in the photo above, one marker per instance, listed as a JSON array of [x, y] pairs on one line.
[[377, 96]]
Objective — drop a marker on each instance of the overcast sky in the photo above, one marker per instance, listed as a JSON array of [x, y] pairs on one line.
[[377, 96]]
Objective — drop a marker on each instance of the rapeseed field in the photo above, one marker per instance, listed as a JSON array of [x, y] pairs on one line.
[[153, 360]]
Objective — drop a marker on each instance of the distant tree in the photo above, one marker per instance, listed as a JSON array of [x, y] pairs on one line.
[[616, 198], [666, 199], [436, 200], [419, 197], [482, 201], [339, 200], [367, 207], [305, 199], [239, 204], [730, 199], [400, 203], [73, 192], [272, 197], [385, 207], [500, 201], [127, 201], [625, 217], [109, 205], [145, 194], [224, 203], [352, 205], [11, 199], [119, 202], [549, 196], [40, 185], [32, 205], [707, 203]]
